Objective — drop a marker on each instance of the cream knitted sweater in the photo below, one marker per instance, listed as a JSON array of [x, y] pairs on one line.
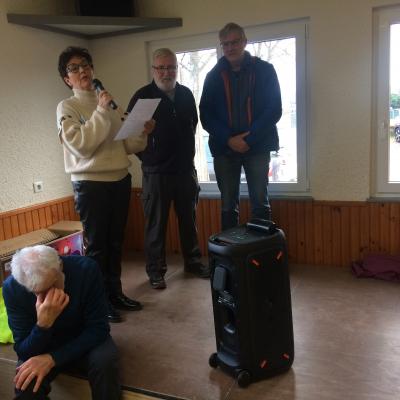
[[86, 131]]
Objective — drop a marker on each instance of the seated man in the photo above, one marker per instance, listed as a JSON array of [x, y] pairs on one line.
[[57, 312]]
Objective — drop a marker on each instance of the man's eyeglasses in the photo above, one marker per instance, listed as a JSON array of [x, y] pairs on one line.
[[74, 68], [229, 43], [162, 68]]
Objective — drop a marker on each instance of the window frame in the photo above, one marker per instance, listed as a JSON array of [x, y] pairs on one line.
[[297, 29], [383, 18]]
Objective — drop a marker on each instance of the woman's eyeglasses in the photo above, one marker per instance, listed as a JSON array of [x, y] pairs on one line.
[[74, 68]]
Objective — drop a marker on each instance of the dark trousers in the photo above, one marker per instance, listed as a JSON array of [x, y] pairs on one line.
[[100, 366], [103, 209], [159, 190]]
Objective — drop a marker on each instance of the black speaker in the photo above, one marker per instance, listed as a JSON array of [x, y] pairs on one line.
[[251, 301], [105, 8]]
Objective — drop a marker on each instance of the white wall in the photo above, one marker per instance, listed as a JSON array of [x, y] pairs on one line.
[[340, 81], [30, 90]]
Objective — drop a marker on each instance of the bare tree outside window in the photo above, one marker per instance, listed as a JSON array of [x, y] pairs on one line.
[[193, 68], [282, 54]]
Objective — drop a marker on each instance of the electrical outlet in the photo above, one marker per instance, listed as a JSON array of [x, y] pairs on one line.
[[38, 186]]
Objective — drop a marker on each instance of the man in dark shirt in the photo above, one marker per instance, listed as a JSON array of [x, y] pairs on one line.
[[57, 313], [168, 169]]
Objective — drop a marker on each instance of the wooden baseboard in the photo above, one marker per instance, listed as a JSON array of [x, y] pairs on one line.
[[318, 232]]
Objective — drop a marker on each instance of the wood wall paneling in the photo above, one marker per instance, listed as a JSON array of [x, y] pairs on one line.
[[317, 232], [1, 230], [394, 228], [344, 239], [309, 232], [18, 222], [7, 228], [384, 232], [300, 231]]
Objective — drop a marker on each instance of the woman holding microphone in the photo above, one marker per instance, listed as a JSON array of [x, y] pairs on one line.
[[98, 165]]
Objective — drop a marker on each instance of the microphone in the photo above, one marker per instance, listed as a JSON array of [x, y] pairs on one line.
[[99, 86]]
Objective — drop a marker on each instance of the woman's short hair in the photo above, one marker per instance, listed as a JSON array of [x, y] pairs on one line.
[[164, 52], [69, 53], [231, 27], [37, 268]]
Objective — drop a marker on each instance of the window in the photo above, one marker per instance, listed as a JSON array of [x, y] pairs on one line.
[[193, 68], [282, 54], [386, 114], [282, 44]]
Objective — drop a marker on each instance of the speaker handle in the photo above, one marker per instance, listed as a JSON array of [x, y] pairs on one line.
[[262, 225]]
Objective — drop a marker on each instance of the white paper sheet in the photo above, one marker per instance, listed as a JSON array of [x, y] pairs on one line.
[[134, 123]]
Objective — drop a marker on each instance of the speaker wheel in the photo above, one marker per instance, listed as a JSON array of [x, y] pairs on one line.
[[213, 360], [243, 378]]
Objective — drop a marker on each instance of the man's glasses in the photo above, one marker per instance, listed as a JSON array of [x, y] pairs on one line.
[[232, 43], [162, 68], [74, 68]]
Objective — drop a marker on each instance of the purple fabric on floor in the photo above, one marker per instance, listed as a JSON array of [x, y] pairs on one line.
[[379, 266]]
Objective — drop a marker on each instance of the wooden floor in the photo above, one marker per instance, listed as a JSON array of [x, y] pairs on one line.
[[347, 340]]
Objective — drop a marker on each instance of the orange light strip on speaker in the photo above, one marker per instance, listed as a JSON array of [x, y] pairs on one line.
[[255, 262]]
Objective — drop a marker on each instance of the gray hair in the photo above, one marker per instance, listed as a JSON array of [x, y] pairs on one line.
[[37, 268], [231, 27], [164, 52]]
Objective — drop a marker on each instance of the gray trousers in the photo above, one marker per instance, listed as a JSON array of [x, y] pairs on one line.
[[159, 191]]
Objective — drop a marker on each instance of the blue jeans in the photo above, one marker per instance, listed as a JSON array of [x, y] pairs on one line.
[[227, 171]]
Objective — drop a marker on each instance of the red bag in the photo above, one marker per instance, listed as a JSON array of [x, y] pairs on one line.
[[379, 266]]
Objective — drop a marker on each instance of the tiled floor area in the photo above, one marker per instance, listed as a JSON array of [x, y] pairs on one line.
[[347, 338]]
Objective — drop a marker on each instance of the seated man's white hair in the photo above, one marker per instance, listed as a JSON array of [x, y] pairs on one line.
[[37, 268]]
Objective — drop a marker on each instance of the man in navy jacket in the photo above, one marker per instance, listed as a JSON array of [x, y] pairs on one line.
[[57, 313], [239, 108], [169, 174]]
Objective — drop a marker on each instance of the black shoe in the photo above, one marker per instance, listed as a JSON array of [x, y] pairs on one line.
[[113, 315], [125, 303], [199, 269], [157, 282]]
